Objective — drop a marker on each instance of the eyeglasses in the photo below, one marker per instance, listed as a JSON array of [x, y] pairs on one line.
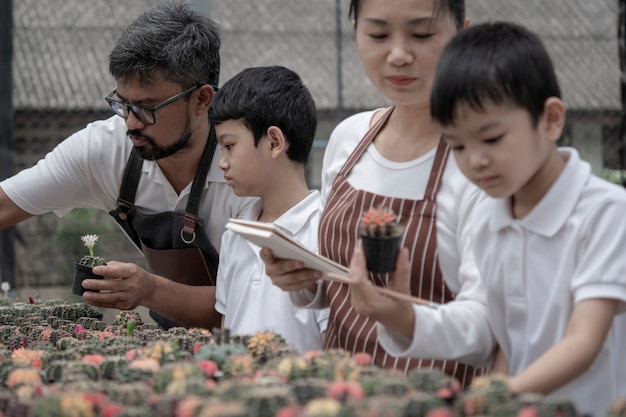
[[145, 114]]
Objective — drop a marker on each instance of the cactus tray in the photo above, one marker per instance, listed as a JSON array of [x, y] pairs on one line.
[[60, 359]]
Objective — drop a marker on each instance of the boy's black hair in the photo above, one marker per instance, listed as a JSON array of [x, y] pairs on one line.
[[261, 97], [498, 62], [456, 9]]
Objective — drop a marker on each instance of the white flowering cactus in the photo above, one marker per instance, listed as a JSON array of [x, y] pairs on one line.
[[5, 287], [91, 260]]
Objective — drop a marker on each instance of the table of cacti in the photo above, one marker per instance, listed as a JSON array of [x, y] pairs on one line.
[[61, 359]]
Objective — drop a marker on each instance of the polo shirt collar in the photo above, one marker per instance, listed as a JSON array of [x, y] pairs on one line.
[[555, 207], [297, 217]]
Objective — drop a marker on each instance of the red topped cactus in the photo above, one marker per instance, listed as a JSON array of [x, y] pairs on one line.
[[381, 235], [380, 222]]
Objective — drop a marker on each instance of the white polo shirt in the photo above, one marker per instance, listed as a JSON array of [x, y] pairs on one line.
[[570, 247], [246, 296], [85, 171]]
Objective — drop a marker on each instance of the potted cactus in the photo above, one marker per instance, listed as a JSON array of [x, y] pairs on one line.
[[83, 267], [381, 235]]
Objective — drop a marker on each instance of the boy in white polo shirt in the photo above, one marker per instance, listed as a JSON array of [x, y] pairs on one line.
[[265, 120], [549, 237], [550, 241]]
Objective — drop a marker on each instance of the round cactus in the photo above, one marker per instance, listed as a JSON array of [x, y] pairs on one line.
[[266, 401], [219, 353], [23, 376], [220, 408], [419, 404], [129, 393], [8, 399], [91, 323], [114, 368], [69, 371], [263, 345], [307, 389], [175, 371], [428, 380]]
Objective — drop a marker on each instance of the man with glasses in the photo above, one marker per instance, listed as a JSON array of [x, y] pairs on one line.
[[153, 166]]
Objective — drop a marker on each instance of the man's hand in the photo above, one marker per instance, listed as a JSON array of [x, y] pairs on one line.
[[129, 286]]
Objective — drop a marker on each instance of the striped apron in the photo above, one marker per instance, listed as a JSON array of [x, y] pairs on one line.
[[338, 233]]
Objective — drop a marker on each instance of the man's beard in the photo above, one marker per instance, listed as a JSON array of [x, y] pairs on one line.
[[152, 152]]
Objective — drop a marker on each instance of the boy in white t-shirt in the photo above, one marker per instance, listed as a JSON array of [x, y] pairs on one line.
[[265, 120], [550, 241]]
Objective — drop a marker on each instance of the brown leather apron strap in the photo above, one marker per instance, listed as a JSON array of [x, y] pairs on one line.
[[187, 234]]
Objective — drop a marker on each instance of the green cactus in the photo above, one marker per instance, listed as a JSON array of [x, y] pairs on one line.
[[219, 353], [221, 408], [7, 332], [266, 401], [114, 368], [8, 399], [124, 317], [263, 346], [428, 380], [136, 411], [418, 404], [175, 371], [129, 393], [554, 407], [189, 386], [91, 323], [91, 261], [307, 389], [394, 384], [69, 371], [385, 406], [49, 406]]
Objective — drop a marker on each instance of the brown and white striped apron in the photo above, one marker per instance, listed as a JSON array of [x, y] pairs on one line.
[[338, 235]]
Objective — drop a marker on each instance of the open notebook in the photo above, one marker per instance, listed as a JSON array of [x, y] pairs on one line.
[[269, 236]]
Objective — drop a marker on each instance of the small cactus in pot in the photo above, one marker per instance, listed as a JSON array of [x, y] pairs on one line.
[[381, 235], [83, 267]]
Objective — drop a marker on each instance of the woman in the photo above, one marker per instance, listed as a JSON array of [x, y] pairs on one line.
[[396, 157]]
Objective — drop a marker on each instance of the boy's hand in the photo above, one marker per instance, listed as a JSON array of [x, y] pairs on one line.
[[398, 316], [289, 274]]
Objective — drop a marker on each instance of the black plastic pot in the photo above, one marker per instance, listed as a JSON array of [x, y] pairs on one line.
[[81, 273], [381, 252]]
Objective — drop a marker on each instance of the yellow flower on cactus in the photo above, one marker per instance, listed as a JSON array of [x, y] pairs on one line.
[[322, 407]]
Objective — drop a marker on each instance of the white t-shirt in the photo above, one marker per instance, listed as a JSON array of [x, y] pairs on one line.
[[246, 296], [85, 171], [459, 330], [569, 248]]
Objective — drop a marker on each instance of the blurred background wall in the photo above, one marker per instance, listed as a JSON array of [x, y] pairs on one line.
[[55, 55]]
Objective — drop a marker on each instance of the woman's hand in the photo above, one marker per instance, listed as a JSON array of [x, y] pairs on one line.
[[397, 315]]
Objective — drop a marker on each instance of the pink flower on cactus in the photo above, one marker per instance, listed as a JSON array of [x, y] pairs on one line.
[[380, 222]]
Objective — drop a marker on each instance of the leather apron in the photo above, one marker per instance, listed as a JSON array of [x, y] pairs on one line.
[[338, 234], [174, 244]]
